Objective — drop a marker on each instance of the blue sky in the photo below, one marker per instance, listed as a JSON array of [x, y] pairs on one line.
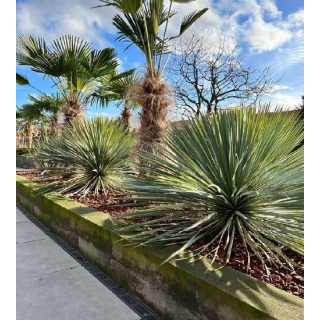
[[269, 32]]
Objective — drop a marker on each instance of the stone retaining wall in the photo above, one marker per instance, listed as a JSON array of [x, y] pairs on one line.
[[27, 162]]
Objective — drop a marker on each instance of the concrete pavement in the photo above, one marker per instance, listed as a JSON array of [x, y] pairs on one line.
[[51, 285]]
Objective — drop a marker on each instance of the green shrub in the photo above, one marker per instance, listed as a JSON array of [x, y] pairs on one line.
[[225, 177], [26, 151], [90, 155]]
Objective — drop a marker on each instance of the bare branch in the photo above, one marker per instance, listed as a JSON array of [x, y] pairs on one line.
[[205, 76]]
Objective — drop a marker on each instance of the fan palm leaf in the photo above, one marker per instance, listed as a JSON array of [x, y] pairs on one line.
[[21, 80], [140, 26], [74, 67]]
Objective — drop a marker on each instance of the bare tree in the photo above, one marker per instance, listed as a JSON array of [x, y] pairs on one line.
[[206, 76]]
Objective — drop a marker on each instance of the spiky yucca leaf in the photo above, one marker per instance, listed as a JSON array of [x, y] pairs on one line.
[[226, 177], [91, 155]]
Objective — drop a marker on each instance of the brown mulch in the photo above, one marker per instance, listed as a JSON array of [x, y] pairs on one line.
[[100, 202], [35, 176], [283, 278], [105, 204]]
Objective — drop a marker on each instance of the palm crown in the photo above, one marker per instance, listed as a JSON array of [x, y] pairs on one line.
[[74, 67], [139, 24]]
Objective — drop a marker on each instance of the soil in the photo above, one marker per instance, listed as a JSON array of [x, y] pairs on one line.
[[283, 278], [106, 204], [101, 202], [286, 279]]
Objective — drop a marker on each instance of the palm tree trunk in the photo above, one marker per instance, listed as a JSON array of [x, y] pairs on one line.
[[72, 115], [29, 134], [54, 126], [126, 114], [73, 110], [155, 102], [17, 141]]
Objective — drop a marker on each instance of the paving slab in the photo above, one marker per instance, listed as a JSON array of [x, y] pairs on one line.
[[20, 217], [26, 231], [51, 285], [69, 295], [37, 258]]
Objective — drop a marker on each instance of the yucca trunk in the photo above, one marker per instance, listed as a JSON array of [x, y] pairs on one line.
[[29, 134], [126, 115], [155, 102]]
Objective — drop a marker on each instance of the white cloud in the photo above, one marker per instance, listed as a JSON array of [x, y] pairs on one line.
[[51, 19], [289, 101], [279, 87], [296, 19], [270, 8], [120, 67], [265, 36], [291, 55], [90, 114], [259, 22]]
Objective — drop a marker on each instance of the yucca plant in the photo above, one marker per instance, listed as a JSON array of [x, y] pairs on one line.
[[225, 177], [90, 155]]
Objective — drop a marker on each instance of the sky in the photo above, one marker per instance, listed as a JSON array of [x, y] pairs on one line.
[[268, 32]]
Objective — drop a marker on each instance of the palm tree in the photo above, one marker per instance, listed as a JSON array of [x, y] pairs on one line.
[[28, 116], [139, 24], [74, 67], [50, 106], [118, 90]]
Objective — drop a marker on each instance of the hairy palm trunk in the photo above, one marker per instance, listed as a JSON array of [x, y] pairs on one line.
[[54, 126], [43, 135], [155, 101], [126, 114], [17, 141], [29, 134], [73, 110]]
